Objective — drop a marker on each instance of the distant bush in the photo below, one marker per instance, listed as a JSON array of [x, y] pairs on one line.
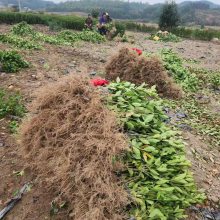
[[197, 34], [95, 12], [54, 26], [70, 21], [133, 26]]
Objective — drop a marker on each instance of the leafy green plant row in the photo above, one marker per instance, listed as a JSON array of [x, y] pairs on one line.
[[11, 104], [11, 61], [175, 66], [157, 176], [24, 36]]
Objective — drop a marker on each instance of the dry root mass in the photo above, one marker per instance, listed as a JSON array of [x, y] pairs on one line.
[[70, 141], [128, 66]]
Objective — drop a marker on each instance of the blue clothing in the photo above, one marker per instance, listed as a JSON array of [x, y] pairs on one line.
[[102, 20]]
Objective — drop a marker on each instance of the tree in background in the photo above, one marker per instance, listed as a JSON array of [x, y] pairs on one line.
[[169, 17], [95, 13]]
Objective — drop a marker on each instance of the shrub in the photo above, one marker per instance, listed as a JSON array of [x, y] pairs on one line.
[[54, 26], [70, 21], [95, 13], [120, 29]]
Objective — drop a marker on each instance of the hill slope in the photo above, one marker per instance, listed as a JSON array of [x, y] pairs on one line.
[[33, 4], [199, 12]]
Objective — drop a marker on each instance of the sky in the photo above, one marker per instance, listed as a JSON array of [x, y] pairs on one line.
[[151, 1]]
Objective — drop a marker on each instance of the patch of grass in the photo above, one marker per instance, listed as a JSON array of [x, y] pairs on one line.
[[215, 80], [207, 78], [13, 126], [201, 119], [11, 104]]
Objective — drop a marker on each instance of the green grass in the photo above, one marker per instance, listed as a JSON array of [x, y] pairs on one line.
[[11, 104]]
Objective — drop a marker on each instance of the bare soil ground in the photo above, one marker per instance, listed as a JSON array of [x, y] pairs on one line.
[[54, 62]]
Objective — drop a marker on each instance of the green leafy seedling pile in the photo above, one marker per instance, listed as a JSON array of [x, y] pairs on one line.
[[175, 65], [11, 104], [91, 36], [166, 38], [85, 35], [23, 29], [12, 62], [19, 42], [158, 176], [63, 38]]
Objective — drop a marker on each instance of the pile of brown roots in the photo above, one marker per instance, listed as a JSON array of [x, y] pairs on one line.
[[71, 141], [128, 66]]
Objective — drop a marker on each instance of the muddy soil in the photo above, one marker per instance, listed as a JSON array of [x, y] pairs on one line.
[[54, 62]]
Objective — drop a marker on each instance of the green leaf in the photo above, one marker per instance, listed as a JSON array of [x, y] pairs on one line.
[[156, 214], [137, 153]]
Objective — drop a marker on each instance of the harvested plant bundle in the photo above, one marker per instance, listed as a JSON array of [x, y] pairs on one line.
[[158, 174], [72, 141], [128, 66]]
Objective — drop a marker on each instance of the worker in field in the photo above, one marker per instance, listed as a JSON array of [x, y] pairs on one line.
[[102, 24], [89, 22], [108, 18]]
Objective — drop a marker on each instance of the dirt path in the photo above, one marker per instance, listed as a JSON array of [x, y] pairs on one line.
[[55, 62]]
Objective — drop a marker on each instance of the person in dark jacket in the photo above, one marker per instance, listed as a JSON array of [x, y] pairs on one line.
[[89, 22]]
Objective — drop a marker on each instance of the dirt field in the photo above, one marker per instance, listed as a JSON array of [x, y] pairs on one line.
[[54, 62]]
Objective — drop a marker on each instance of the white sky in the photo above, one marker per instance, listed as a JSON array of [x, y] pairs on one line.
[[151, 1]]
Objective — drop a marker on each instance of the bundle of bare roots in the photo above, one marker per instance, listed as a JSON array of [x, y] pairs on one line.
[[70, 141], [128, 66]]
